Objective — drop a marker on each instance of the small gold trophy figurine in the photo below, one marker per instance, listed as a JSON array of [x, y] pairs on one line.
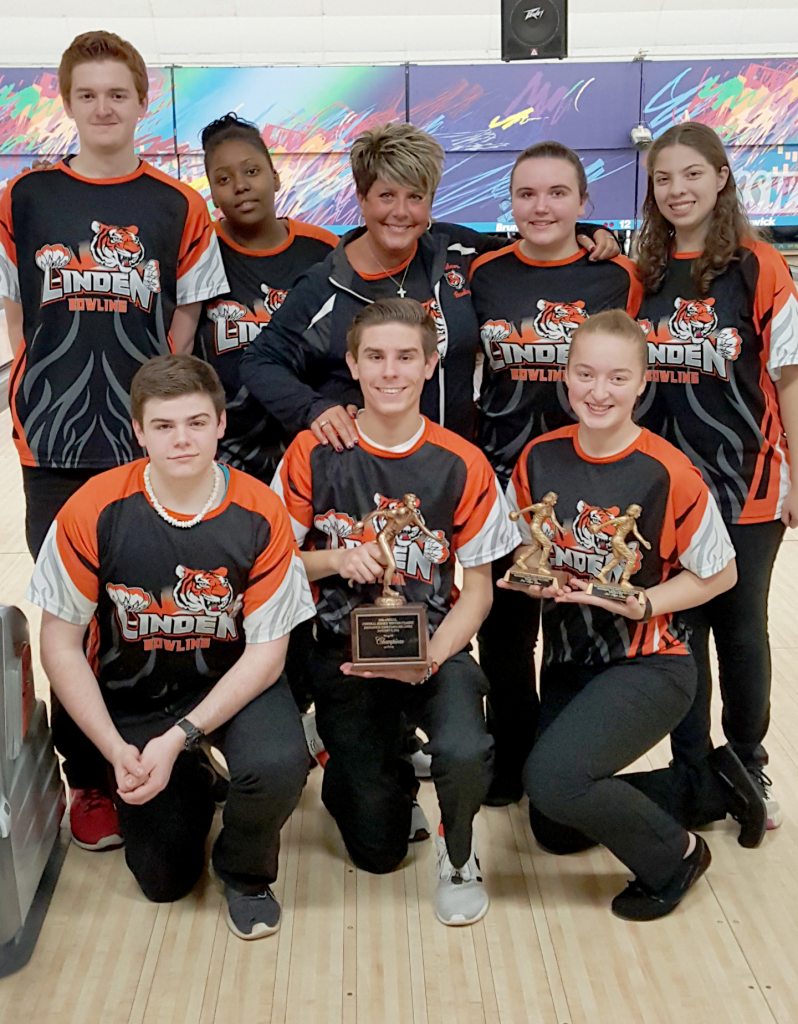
[[390, 632], [520, 572], [622, 554]]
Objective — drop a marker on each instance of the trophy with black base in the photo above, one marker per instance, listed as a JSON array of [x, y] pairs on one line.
[[623, 555], [390, 633], [520, 572]]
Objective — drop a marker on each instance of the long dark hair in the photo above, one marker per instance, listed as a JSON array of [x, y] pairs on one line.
[[728, 228]]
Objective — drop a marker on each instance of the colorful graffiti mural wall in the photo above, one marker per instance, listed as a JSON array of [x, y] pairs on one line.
[[483, 115]]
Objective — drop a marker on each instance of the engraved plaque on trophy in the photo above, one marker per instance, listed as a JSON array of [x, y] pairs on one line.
[[390, 633]]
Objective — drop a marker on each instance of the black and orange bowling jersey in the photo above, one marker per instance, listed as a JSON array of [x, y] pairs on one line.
[[527, 312], [712, 366], [171, 609], [461, 502], [679, 519], [260, 281], [99, 267]]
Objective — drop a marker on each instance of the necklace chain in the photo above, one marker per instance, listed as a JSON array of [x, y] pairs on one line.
[[183, 524], [400, 285]]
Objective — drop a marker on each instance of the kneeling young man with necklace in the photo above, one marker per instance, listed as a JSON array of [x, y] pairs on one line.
[[169, 588], [458, 508]]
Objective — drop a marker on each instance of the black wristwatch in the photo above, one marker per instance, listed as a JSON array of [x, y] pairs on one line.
[[194, 736], [648, 611]]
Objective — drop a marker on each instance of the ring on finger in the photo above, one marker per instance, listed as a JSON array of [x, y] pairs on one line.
[[324, 423]]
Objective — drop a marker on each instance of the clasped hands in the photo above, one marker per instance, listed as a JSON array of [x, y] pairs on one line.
[[142, 775]]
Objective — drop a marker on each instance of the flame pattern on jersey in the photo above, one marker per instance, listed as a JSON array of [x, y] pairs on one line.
[[528, 313], [98, 292], [713, 364], [260, 282]]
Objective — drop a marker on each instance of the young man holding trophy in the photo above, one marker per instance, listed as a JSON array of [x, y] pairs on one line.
[[636, 537], [380, 525]]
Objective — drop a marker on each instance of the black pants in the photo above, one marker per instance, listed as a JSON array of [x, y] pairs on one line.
[[738, 620], [507, 641], [367, 787], [594, 721], [264, 746], [46, 491], [689, 789]]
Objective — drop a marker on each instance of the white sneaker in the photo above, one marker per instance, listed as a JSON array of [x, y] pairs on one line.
[[419, 826], [317, 749], [460, 898], [775, 813]]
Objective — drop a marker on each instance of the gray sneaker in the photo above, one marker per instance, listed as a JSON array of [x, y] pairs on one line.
[[460, 898], [252, 916]]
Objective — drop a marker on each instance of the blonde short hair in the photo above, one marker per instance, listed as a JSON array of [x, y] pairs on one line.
[[400, 153], [618, 323]]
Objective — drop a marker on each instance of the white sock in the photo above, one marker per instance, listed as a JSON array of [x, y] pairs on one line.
[[691, 843]]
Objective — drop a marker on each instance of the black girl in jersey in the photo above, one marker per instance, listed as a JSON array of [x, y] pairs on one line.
[[722, 318], [529, 298], [264, 256]]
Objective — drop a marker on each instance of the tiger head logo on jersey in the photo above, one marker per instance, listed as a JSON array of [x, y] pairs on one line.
[[201, 592], [691, 343], [587, 516], [557, 321], [115, 247], [693, 319], [455, 280], [273, 298], [109, 273]]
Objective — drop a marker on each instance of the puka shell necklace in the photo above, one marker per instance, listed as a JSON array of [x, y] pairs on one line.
[[183, 524]]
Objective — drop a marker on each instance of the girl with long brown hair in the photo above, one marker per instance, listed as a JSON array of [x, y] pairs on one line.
[[721, 314]]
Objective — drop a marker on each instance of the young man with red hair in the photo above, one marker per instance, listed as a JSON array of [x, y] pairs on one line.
[[104, 263]]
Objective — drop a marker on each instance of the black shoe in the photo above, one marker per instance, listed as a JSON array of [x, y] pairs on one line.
[[503, 791], [745, 798], [639, 903]]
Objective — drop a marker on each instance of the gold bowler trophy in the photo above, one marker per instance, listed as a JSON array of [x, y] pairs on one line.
[[520, 572], [390, 633], [622, 554]]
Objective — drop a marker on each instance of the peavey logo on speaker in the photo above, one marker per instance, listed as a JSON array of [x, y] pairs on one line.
[[201, 605], [533, 12]]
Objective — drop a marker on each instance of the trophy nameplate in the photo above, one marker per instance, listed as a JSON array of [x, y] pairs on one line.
[[389, 637], [390, 633]]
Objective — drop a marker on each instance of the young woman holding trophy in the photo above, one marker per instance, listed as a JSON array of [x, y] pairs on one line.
[[617, 673]]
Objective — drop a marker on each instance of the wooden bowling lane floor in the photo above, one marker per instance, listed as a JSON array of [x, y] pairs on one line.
[[356, 948]]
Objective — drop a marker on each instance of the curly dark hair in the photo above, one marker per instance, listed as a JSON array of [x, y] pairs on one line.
[[230, 126], [728, 228]]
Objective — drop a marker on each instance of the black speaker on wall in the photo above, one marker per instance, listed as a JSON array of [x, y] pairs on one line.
[[534, 29]]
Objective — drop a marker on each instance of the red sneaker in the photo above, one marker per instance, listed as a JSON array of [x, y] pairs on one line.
[[93, 820]]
